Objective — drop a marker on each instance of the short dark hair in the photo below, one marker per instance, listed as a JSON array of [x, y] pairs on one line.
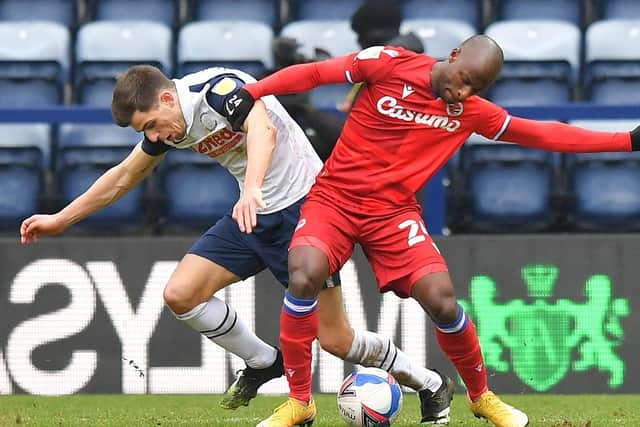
[[137, 90]]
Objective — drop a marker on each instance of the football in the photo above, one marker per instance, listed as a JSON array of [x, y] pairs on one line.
[[369, 397]]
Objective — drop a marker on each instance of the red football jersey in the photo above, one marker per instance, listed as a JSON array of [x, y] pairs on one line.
[[398, 133]]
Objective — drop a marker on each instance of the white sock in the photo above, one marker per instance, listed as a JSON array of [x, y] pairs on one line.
[[373, 350], [220, 323]]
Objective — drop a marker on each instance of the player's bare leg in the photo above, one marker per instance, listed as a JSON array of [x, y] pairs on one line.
[[190, 294], [458, 339], [369, 349]]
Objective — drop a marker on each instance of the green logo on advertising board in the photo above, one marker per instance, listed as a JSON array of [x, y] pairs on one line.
[[541, 336]]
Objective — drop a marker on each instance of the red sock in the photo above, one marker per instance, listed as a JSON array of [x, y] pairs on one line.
[[463, 349], [296, 336]]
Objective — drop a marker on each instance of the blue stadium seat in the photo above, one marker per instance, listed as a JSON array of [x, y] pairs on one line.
[[106, 48], [329, 97], [602, 185], [265, 11], [164, 11], [333, 38], [617, 9], [211, 190], [21, 185], [322, 9], [24, 160], [612, 62], [35, 135], [34, 63], [64, 12], [509, 188], [469, 11], [438, 36], [84, 153], [539, 69], [247, 46], [565, 10]]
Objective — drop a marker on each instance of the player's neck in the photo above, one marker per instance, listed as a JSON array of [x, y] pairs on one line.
[[435, 76]]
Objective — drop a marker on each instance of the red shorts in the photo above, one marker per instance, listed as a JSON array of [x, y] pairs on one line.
[[397, 245]]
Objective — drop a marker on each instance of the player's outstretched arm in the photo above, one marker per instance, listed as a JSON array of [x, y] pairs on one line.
[[107, 189], [301, 77], [556, 136], [261, 143]]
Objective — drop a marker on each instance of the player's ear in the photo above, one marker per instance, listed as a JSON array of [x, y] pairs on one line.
[[454, 54], [167, 98]]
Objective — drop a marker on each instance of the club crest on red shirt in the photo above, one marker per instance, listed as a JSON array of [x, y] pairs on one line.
[[454, 110]]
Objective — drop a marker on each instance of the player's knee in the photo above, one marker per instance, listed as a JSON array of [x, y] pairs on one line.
[[308, 270], [435, 293], [301, 282], [445, 309], [177, 299]]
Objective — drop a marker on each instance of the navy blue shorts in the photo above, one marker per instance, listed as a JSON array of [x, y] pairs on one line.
[[246, 255]]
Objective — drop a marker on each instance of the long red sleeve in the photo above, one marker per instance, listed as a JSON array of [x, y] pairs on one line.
[[300, 77], [556, 136]]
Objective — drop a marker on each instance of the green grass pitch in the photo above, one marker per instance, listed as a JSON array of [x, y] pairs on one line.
[[199, 410]]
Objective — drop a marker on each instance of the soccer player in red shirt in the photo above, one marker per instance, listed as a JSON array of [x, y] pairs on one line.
[[412, 115]]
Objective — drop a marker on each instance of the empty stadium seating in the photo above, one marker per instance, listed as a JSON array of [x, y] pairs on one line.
[[506, 187], [197, 191], [602, 185], [333, 38], [265, 11], [106, 48], [84, 153], [247, 46], [469, 11], [21, 185], [34, 135], [543, 67], [538, 69], [164, 11], [617, 9], [438, 36], [25, 151], [572, 11], [34, 63], [64, 12], [612, 62], [302, 10]]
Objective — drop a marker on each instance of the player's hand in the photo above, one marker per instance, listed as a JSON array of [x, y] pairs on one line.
[[245, 210], [40, 225]]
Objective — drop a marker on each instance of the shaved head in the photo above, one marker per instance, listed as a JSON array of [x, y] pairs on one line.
[[482, 41], [485, 52], [470, 69]]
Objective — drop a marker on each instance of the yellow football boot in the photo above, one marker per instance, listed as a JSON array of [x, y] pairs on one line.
[[291, 413], [490, 407]]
